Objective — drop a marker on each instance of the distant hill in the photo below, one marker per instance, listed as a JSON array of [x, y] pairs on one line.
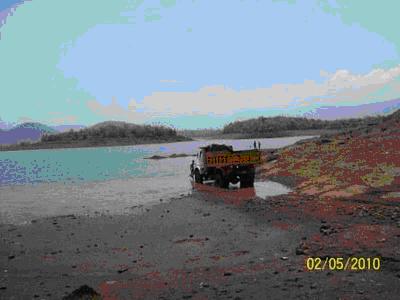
[[332, 118], [24, 132], [109, 133], [201, 133], [275, 126], [114, 133]]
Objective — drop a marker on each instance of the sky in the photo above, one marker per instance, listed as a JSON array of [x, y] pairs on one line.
[[193, 63]]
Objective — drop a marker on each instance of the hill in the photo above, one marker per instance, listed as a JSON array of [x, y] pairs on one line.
[[24, 132], [110, 133], [362, 163], [279, 126]]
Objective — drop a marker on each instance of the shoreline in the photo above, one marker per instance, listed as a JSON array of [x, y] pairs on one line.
[[48, 146]]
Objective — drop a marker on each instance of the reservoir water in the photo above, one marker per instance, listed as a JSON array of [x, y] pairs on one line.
[[38, 183]]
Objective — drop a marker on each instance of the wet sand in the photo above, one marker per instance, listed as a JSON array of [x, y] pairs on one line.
[[212, 244]]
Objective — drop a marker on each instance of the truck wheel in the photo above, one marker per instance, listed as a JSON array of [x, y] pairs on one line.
[[250, 182], [224, 183], [218, 179], [197, 177], [245, 182], [221, 181]]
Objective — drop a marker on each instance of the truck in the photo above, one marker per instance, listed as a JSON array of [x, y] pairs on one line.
[[220, 163]]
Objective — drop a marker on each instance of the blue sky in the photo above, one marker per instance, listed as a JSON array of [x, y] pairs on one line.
[[191, 63]]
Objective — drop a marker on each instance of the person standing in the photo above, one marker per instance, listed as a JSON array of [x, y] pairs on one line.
[[259, 145], [192, 169], [255, 144]]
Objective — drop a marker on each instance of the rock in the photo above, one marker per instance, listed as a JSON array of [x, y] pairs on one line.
[[83, 293], [313, 286], [302, 249], [155, 157], [325, 141], [326, 229], [204, 285], [123, 270]]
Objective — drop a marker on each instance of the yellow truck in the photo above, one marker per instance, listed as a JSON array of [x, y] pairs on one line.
[[223, 165]]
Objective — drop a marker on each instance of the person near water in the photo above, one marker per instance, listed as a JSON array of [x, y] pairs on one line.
[[259, 145], [192, 168], [255, 145]]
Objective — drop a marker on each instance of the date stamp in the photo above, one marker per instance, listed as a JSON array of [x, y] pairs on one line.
[[351, 263]]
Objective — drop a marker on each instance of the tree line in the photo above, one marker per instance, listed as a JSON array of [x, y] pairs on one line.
[[264, 125], [113, 131]]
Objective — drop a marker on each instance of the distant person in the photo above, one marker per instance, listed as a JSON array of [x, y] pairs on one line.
[[255, 145], [259, 145], [192, 168]]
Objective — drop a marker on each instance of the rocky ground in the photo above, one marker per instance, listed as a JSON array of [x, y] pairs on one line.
[[203, 246]]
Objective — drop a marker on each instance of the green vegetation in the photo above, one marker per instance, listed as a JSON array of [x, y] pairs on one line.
[[206, 132], [275, 126], [111, 133]]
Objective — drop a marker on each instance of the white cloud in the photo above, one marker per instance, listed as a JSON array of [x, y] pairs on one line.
[[339, 87], [114, 111]]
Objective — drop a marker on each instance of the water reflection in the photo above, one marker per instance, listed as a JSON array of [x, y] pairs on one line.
[[237, 196], [270, 188]]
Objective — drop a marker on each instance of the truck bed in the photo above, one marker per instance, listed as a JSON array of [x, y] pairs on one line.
[[226, 158]]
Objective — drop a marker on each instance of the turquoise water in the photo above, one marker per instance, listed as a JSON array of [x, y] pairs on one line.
[[115, 180], [71, 165], [106, 163]]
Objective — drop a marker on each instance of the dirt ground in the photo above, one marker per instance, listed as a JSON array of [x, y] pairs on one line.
[[211, 244]]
